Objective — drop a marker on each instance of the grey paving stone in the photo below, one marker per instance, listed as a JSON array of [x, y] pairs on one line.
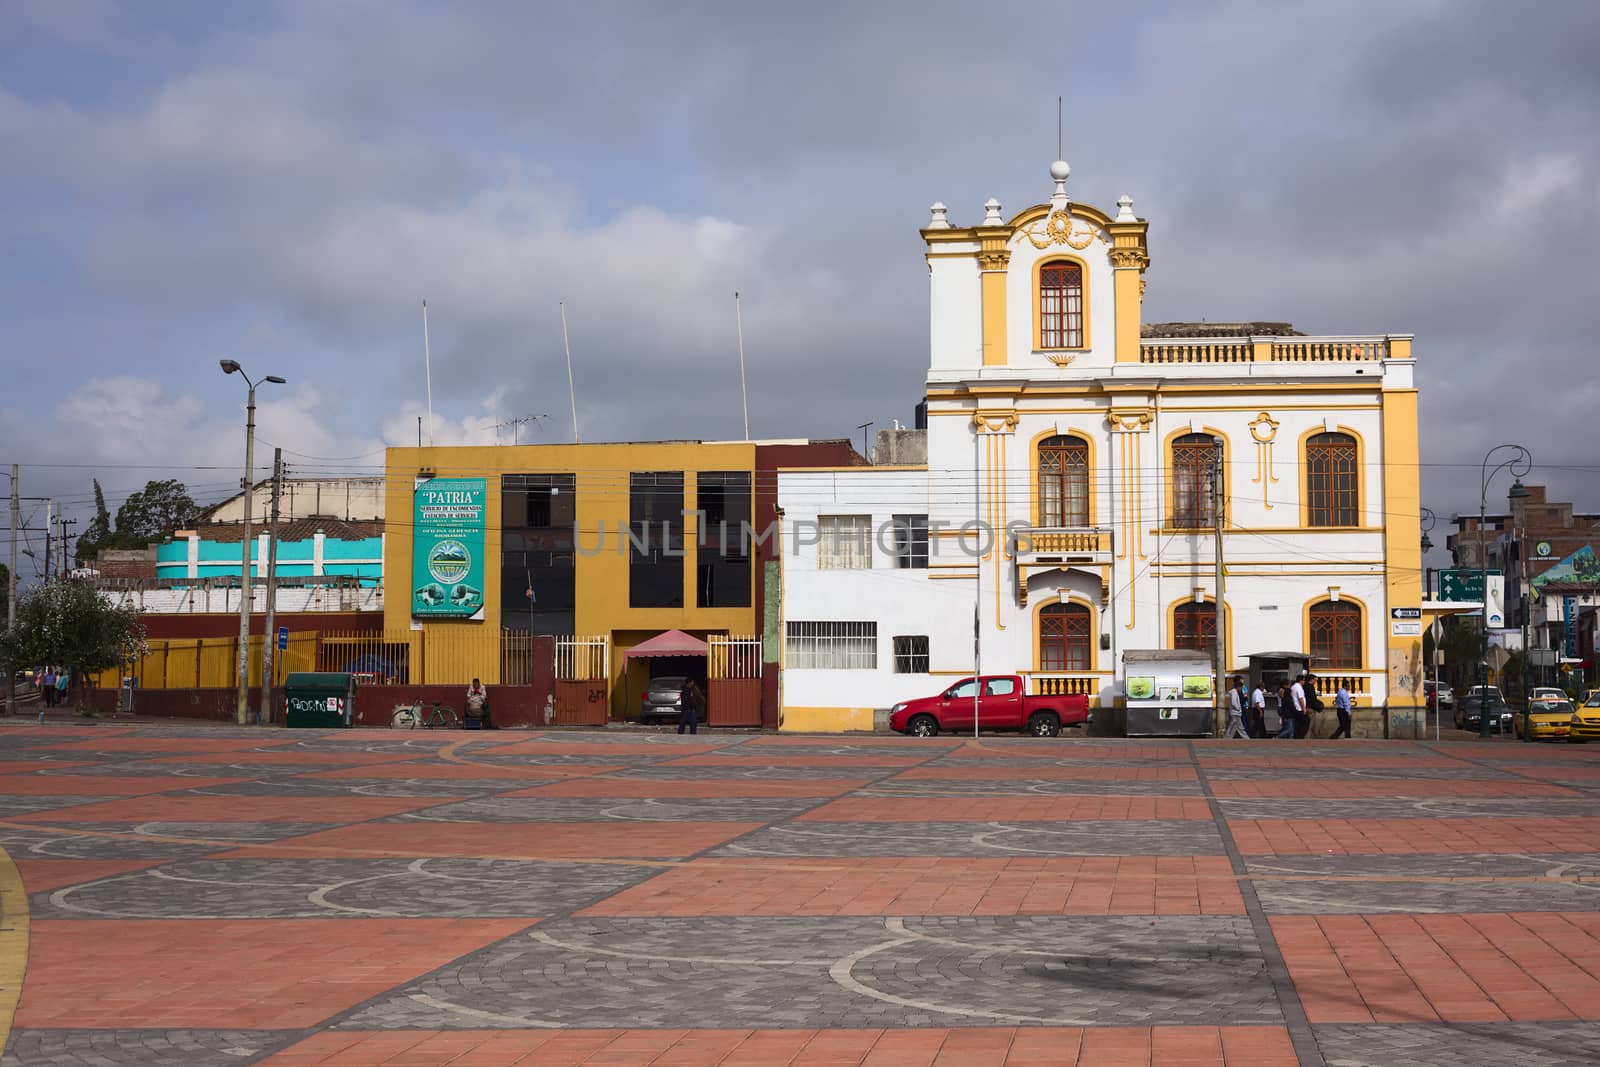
[[1021, 785], [570, 809], [1410, 808], [369, 787], [1505, 865], [1314, 774], [759, 772], [141, 1048], [1344, 898], [847, 973], [46, 844], [342, 888], [1543, 1044], [1088, 837]]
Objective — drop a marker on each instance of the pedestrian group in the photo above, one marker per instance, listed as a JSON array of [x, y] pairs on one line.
[[1297, 702]]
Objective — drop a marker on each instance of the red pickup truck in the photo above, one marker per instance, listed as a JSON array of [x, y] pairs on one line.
[[1002, 706]]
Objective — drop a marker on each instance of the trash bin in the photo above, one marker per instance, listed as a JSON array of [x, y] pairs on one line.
[[125, 696], [319, 700]]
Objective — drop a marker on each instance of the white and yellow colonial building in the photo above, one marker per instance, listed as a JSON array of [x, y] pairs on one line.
[[1080, 455]]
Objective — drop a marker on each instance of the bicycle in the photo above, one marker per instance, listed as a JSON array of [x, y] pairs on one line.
[[424, 716]]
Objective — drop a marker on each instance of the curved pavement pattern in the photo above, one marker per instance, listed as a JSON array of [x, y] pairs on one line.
[[210, 895]]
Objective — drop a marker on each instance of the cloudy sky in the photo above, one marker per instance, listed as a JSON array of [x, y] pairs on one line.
[[283, 183]]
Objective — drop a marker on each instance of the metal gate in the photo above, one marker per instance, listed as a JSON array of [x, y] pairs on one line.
[[733, 670], [583, 669]]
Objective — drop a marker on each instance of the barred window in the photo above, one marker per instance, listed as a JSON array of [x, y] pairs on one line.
[[1195, 627], [845, 542], [1336, 635], [831, 645], [911, 655], [1194, 472], [911, 542], [1063, 481], [1064, 638], [1061, 305], [1332, 481]]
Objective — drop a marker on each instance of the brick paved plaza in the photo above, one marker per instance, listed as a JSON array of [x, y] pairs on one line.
[[208, 896]]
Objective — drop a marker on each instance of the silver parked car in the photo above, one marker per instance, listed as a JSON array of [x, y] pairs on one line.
[[663, 697]]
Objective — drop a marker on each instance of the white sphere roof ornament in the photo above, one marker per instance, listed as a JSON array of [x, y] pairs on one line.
[[941, 219], [991, 213], [1125, 209], [1059, 172]]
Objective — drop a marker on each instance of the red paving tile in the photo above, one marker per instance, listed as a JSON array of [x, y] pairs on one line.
[[230, 974], [1563, 773], [617, 839], [1287, 837], [99, 785], [1449, 968], [777, 759], [703, 788], [236, 809], [1007, 809], [41, 876], [853, 740], [1189, 1046], [1247, 789], [470, 771], [599, 750], [76, 733], [28, 766], [1095, 885], [1007, 775], [1073, 750]]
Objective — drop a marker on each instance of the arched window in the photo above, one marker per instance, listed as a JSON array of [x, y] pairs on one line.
[[1061, 305], [1194, 470], [1064, 637], [1333, 495], [1336, 635], [1194, 626], [1063, 481]]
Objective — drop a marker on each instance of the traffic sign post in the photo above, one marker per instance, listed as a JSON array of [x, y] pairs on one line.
[[1461, 583], [283, 638]]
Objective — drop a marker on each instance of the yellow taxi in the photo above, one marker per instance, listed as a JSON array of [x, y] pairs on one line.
[[1585, 722], [1552, 719]]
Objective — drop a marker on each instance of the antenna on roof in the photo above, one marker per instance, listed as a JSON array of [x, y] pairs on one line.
[[571, 394], [1058, 127], [427, 370]]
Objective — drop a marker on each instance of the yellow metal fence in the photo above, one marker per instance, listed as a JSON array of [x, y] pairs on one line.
[[210, 663]]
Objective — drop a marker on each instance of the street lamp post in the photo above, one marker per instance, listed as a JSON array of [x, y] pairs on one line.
[[1522, 459], [232, 367], [1427, 519]]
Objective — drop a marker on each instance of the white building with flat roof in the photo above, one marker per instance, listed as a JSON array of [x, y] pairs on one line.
[[1094, 460]]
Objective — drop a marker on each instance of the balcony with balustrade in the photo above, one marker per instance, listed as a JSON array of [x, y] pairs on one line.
[[1291, 349], [1038, 548]]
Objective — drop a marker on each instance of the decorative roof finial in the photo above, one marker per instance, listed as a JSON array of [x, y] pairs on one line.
[[940, 220], [1059, 172], [1125, 209], [991, 213]]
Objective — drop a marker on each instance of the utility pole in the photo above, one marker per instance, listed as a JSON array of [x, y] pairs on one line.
[[269, 634], [1218, 495], [66, 557], [11, 591], [49, 536]]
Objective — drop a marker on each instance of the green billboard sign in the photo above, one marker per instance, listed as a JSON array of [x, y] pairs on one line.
[[447, 549]]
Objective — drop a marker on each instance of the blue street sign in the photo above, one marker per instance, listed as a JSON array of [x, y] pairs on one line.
[[283, 638]]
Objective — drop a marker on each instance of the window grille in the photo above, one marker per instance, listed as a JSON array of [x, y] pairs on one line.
[[1194, 469], [831, 645], [845, 542], [1063, 482], [1064, 638], [1061, 306], [1336, 635], [911, 655], [1332, 481], [1195, 627]]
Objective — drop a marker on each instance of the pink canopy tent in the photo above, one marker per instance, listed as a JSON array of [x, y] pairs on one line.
[[670, 643]]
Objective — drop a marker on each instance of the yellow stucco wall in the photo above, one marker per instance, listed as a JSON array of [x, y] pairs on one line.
[[602, 475], [1402, 508], [825, 720]]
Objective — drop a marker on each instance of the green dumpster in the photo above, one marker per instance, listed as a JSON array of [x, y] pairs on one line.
[[319, 700]]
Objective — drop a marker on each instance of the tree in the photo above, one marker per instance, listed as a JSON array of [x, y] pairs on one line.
[[98, 535], [70, 624], [157, 509]]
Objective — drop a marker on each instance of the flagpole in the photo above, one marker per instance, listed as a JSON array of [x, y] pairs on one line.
[[427, 366], [743, 395], [571, 393]]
